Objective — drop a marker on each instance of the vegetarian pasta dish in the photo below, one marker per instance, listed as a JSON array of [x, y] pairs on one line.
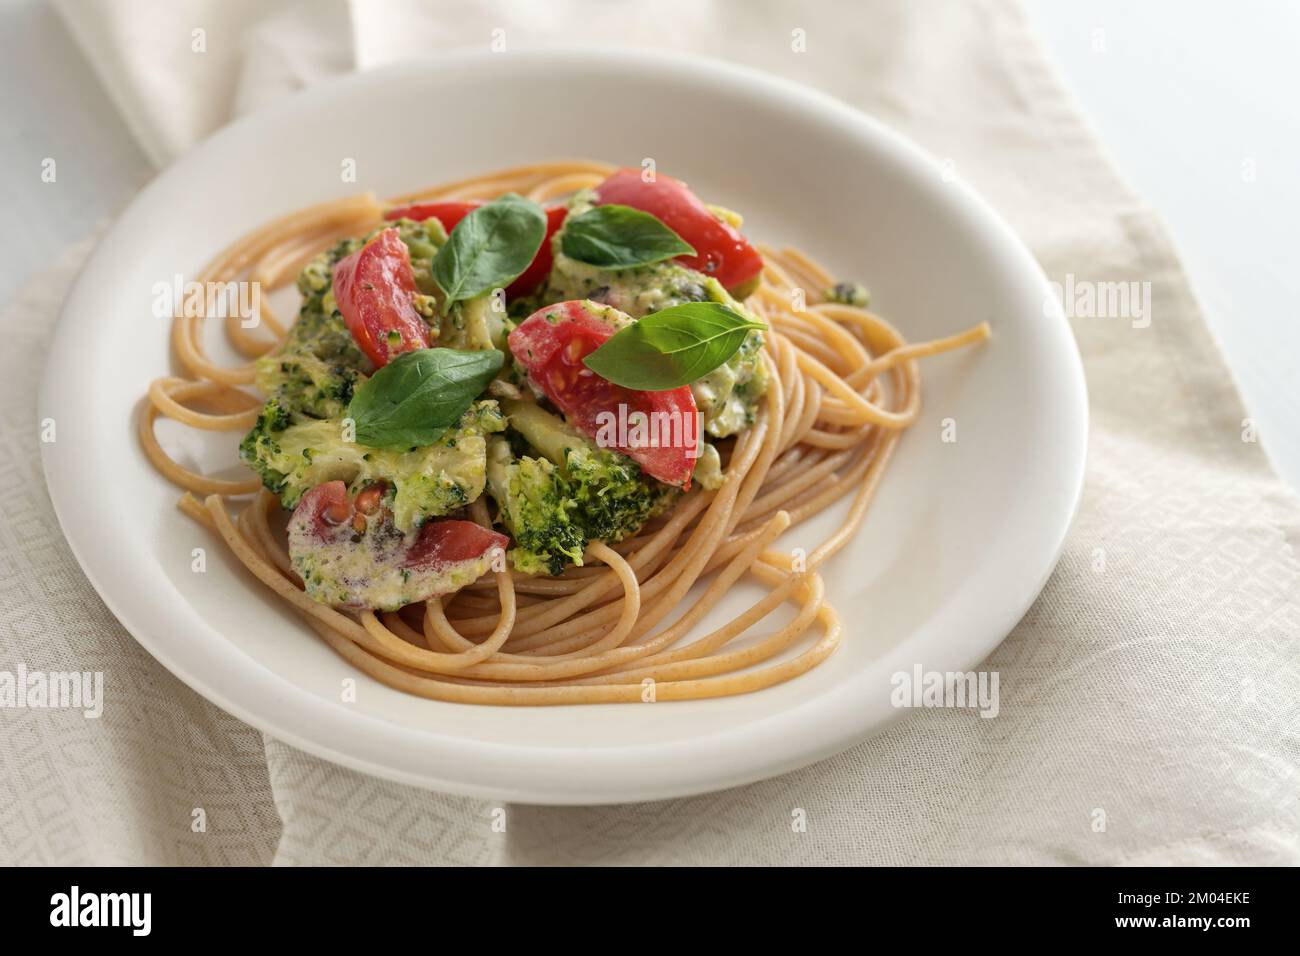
[[528, 428]]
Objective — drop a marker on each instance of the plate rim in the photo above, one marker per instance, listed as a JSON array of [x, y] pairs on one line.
[[493, 763]]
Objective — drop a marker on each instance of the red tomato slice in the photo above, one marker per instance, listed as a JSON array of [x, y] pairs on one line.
[[532, 277], [721, 251], [375, 290], [447, 213], [450, 213], [551, 344], [447, 541]]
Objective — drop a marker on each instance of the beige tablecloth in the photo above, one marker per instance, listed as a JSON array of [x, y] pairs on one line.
[[1148, 699]]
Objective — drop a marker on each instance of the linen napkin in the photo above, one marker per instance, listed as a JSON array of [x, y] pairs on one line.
[[1148, 698]]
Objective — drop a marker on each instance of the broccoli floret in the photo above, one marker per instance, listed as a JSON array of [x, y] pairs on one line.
[[849, 293], [613, 498], [262, 444], [573, 493], [533, 505], [317, 371], [314, 373], [422, 482]]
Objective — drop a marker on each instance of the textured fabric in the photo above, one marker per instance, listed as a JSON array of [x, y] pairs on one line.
[[1148, 698], [121, 788]]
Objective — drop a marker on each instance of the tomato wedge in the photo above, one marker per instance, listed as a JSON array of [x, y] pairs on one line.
[[531, 278], [551, 344], [349, 553], [375, 290], [450, 213], [450, 541], [447, 213], [721, 251]]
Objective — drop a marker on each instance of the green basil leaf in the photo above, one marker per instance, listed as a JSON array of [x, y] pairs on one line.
[[489, 248], [620, 237], [417, 396], [671, 348]]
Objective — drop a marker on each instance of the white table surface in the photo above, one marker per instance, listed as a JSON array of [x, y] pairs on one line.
[[1196, 100]]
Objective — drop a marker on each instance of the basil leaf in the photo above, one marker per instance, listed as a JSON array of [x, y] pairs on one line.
[[489, 248], [671, 348], [620, 237], [417, 396]]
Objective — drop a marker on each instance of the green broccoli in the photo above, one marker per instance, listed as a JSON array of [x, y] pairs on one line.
[[614, 499], [573, 493], [422, 483], [315, 372], [849, 293], [533, 505]]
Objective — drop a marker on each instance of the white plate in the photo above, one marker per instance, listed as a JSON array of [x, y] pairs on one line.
[[959, 542]]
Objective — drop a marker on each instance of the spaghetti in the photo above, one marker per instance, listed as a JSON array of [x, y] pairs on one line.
[[844, 386]]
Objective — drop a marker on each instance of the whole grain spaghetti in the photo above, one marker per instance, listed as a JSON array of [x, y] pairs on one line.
[[623, 627]]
